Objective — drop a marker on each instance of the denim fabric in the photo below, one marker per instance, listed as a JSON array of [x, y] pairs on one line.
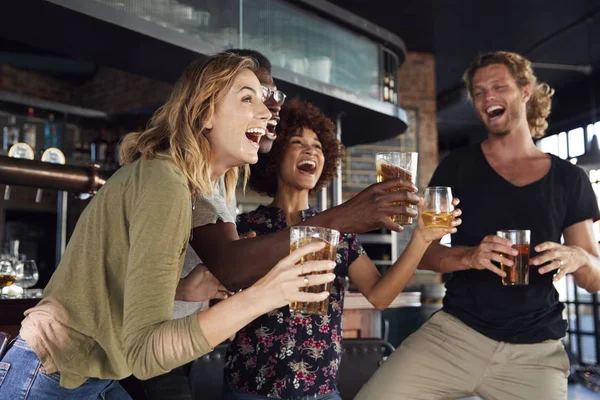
[[22, 377]]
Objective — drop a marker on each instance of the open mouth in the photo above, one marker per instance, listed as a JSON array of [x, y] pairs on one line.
[[307, 167], [495, 112], [271, 125], [254, 135]]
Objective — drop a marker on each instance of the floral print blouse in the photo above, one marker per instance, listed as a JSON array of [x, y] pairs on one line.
[[284, 355]]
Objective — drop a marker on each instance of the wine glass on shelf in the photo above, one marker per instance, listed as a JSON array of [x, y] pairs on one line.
[[8, 275], [29, 276]]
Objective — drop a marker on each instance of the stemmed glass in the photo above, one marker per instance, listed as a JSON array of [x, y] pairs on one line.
[[28, 277]]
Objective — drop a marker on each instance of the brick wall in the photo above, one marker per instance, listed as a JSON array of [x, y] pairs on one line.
[[115, 91], [35, 85], [416, 90], [109, 90]]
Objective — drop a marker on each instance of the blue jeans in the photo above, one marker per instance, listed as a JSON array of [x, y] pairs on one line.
[[22, 377], [232, 394]]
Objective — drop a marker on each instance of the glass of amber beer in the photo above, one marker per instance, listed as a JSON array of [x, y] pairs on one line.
[[438, 211], [518, 274], [301, 236], [398, 165]]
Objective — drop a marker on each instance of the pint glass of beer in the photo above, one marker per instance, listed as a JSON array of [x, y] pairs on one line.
[[438, 211], [301, 236], [518, 274], [398, 165]]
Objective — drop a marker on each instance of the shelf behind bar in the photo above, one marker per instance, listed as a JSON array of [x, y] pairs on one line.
[[375, 238], [145, 48], [34, 102]]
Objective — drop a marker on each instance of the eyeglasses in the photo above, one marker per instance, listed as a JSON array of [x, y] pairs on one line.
[[278, 95]]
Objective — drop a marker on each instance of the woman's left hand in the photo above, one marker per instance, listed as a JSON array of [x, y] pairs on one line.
[[563, 259], [431, 234], [200, 285]]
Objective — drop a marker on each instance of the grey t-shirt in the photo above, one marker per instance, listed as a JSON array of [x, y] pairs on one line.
[[208, 210]]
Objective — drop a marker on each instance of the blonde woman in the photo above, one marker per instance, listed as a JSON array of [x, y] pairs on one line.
[[106, 313]]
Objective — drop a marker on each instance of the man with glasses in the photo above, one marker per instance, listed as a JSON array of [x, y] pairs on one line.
[[274, 98]]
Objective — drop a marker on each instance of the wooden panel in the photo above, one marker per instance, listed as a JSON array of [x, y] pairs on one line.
[[359, 324]]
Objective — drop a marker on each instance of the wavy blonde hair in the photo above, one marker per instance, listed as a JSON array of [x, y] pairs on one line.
[[176, 130], [540, 103]]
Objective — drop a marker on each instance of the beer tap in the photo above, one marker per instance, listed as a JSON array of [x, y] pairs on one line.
[[18, 150], [53, 156]]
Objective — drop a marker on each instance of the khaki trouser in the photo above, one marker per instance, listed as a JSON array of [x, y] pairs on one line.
[[445, 359]]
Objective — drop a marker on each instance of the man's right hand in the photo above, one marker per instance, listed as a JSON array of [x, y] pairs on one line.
[[372, 207], [489, 250]]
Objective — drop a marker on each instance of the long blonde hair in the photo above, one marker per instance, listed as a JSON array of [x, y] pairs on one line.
[[540, 103], [176, 130]]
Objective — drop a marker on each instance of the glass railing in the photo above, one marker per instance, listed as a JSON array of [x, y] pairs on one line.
[[291, 37]]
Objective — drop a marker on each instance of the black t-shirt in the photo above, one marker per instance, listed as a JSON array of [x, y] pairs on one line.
[[515, 314]]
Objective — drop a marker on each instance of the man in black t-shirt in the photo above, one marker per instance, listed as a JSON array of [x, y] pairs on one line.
[[490, 340]]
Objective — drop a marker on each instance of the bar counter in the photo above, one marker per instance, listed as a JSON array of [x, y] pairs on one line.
[[361, 319]]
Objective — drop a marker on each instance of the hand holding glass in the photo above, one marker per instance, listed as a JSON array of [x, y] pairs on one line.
[[518, 274], [301, 236], [398, 165], [438, 211]]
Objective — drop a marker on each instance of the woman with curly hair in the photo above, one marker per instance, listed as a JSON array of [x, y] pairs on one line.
[[296, 356]]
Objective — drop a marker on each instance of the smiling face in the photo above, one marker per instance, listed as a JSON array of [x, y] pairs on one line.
[[265, 78], [499, 102], [239, 121], [302, 162]]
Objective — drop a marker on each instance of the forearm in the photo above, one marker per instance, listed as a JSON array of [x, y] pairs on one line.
[[443, 259], [391, 284], [238, 264], [224, 319], [156, 349], [332, 218], [588, 275]]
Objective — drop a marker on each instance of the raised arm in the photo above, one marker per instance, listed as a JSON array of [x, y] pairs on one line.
[[381, 291], [239, 263]]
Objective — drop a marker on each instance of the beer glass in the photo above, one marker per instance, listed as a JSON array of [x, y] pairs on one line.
[[438, 211], [518, 274], [398, 165], [301, 236]]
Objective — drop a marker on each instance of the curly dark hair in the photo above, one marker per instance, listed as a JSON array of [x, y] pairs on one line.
[[296, 115]]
